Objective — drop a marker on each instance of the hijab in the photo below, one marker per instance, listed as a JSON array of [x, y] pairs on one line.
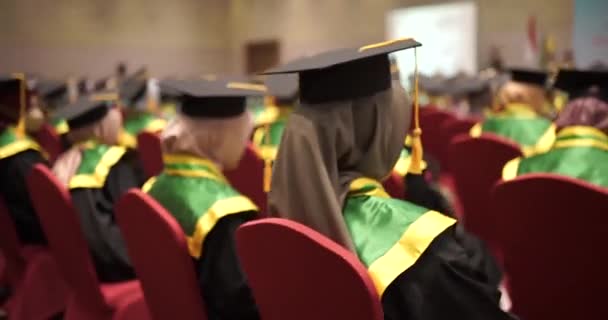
[[105, 131], [584, 111], [221, 140], [326, 146]]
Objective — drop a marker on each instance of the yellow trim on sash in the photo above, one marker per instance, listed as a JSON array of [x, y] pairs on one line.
[[188, 159], [360, 183], [582, 131], [194, 174], [156, 125], [581, 143], [269, 115], [62, 128], [148, 185], [267, 152], [543, 144], [509, 171], [476, 130], [18, 146], [209, 219], [404, 254], [126, 139], [98, 178]]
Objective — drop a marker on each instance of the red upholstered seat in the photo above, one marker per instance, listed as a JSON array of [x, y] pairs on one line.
[[298, 274], [49, 140], [394, 186], [476, 165], [431, 122], [150, 153], [160, 256], [450, 129], [248, 178], [552, 231], [39, 291], [88, 298]]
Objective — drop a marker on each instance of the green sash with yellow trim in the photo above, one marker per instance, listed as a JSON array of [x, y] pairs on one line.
[[139, 122], [11, 144], [267, 140], [389, 234], [520, 124], [97, 160], [579, 152], [60, 125], [198, 195]]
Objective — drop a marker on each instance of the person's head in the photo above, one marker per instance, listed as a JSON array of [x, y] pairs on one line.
[[584, 111], [351, 122], [212, 122], [526, 87]]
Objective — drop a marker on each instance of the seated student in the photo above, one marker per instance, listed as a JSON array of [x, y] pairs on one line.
[[519, 114], [140, 111], [97, 172], [344, 137], [53, 95], [208, 135], [18, 154], [581, 147]]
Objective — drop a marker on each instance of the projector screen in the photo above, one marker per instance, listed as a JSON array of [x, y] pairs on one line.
[[448, 33]]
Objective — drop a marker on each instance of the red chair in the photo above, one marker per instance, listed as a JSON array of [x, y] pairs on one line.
[[394, 186], [48, 139], [88, 299], [476, 166], [551, 231], [296, 273], [150, 153], [248, 178], [453, 127], [431, 123], [39, 291], [160, 236]]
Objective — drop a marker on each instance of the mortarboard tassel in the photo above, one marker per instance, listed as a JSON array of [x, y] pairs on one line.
[[267, 160], [20, 130], [416, 157]]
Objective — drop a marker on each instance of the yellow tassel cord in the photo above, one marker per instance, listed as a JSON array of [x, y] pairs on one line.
[[416, 157], [267, 160], [20, 130]]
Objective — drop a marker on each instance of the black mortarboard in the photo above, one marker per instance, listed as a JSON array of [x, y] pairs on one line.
[[533, 77], [87, 109], [133, 90], [283, 87], [9, 97], [52, 91], [213, 99], [345, 73], [578, 83]]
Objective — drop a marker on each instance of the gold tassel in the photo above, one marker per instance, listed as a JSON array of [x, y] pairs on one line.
[[416, 157], [267, 160], [20, 130]]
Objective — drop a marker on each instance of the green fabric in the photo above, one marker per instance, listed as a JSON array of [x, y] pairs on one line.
[[138, 122], [587, 163], [58, 122], [276, 132], [189, 198], [376, 224], [257, 111], [524, 131], [8, 136], [90, 158]]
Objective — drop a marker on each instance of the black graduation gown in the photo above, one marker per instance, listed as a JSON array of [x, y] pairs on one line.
[[13, 188], [96, 209], [455, 278], [421, 193], [222, 282]]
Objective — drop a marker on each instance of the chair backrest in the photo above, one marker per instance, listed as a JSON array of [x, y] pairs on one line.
[[394, 186], [296, 273], [476, 165], [453, 127], [158, 250], [10, 247], [49, 140], [248, 178], [432, 137], [551, 232], [60, 222], [150, 153]]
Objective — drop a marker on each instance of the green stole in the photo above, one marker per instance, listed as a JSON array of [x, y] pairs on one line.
[[139, 122], [269, 130], [389, 234], [579, 151], [197, 195], [520, 124], [97, 160], [403, 163], [11, 144], [60, 125]]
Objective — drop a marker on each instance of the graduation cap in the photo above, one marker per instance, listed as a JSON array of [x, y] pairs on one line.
[[212, 99], [578, 83], [13, 99], [283, 87], [345, 73], [87, 109], [533, 77], [133, 90], [53, 92]]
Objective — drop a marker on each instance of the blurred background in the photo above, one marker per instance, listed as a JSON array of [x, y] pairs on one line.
[[193, 37]]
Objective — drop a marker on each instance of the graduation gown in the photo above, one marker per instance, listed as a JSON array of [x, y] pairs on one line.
[[17, 157], [196, 193], [423, 264], [94, 197]]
